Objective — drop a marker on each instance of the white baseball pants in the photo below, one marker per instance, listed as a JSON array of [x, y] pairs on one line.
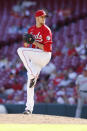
[[34, 60], [81, 99]]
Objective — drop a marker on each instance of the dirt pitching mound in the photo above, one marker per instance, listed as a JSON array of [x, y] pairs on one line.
[[38, 119]]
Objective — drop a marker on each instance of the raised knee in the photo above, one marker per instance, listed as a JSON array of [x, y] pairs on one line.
[[19, 50]]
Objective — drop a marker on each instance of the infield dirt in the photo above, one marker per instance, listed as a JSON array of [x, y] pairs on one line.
[[38, 119]]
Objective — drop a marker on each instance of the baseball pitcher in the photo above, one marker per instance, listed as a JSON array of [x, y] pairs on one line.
[[81, 85], [36, 57]]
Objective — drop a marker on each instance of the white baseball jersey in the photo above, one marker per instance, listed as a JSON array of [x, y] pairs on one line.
[[82, 82]]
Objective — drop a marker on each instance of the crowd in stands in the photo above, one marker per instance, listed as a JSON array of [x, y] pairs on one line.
[[56, 83]]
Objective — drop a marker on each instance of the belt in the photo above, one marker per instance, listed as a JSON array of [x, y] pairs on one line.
[[83, 91]]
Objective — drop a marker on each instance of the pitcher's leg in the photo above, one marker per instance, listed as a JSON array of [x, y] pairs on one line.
[[30, 93], [30, 97], [26, 61], [30, 88]]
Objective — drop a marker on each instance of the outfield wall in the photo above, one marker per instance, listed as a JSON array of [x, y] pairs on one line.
[[48, 109]]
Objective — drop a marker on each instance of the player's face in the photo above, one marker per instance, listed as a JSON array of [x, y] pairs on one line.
[[41, 19]]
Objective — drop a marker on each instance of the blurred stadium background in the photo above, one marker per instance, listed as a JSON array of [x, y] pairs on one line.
[[55, 91]]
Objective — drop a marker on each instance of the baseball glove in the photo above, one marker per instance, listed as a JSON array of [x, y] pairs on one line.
[[29, 38]]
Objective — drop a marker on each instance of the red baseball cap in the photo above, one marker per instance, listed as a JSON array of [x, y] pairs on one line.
[[40, 13]]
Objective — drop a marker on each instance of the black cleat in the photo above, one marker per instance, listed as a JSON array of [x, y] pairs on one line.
[[27, 112], [32, 83]]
